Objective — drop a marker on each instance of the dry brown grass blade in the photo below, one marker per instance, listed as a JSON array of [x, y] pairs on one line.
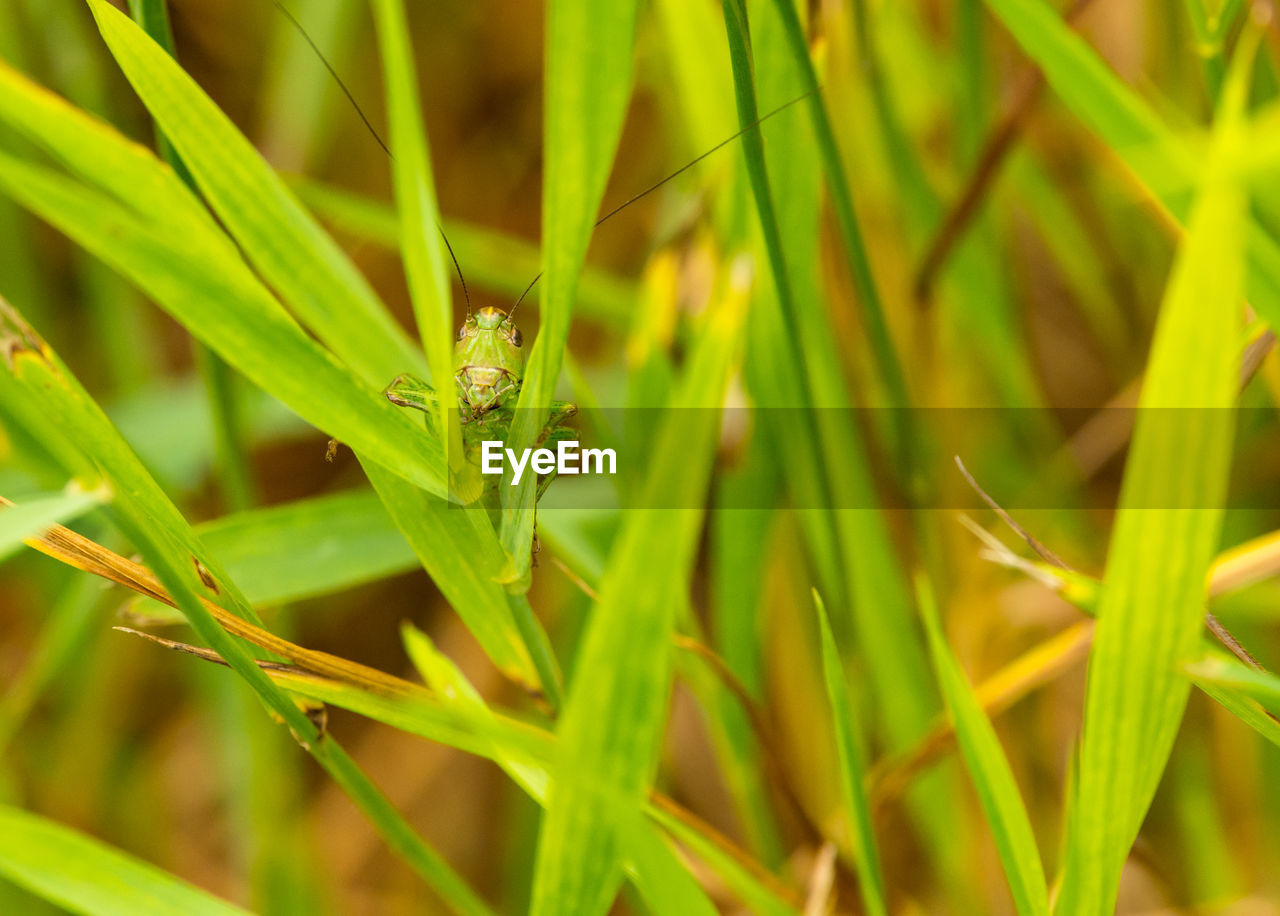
[[1245, 564], [822, 882], [1041, 550], [75, 550], [78, 551]]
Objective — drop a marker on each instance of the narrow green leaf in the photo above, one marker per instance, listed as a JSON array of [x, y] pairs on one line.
[[612, 725], [1151, 610], [989, 769], [661, 877], [156, 235], [87, 876], [1215, 669], [588, 82], [444, 538], [846, 218], [856, 560], [285, 244], [36, 385], [761, 898], [866, 856], [424, 258]]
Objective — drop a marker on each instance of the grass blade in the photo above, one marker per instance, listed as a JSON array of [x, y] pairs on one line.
[[443, 537], [285, 244], [157, 234], [1151, 610], [842, 202], [35, 380], [420, 246], [613, 720], [85, 875], [997, 790], [852, 770], [1243, 691], [588, 81]]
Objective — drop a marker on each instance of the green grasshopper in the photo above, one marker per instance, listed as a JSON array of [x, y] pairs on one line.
[[488, 367]]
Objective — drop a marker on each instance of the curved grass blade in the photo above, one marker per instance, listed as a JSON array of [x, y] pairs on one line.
[[85, 875], [34, 382], [989, 769], [285, 244], [659, 875], [1242, 690], [444, 538], [157, 234]]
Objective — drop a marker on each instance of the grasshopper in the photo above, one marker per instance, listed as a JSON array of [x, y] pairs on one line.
[[488, 368]]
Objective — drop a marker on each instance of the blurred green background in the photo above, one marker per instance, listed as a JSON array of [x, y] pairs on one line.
[[1036, 300]]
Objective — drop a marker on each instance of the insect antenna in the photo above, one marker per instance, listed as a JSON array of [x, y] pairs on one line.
[[372, 131], [684, 168], [334, 73], [461, 279]]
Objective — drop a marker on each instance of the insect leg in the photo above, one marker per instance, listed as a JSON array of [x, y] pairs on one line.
[[408, 390]]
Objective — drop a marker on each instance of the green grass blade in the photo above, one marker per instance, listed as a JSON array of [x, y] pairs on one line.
[[34, 514], [35, 383], [989, 769], [1216, 669], [588, 82], [663, 880], [444, 537], [285, 244], [842, 202], [1166, 163], [303, 549], [420, 244], [448, 722], [1151, 610], [85, 875], [857, 565], [158, 236], [613, 721], [866, 856]]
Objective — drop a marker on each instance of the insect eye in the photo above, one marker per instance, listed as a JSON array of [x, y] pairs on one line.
[[462, 332], [516, 337]]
